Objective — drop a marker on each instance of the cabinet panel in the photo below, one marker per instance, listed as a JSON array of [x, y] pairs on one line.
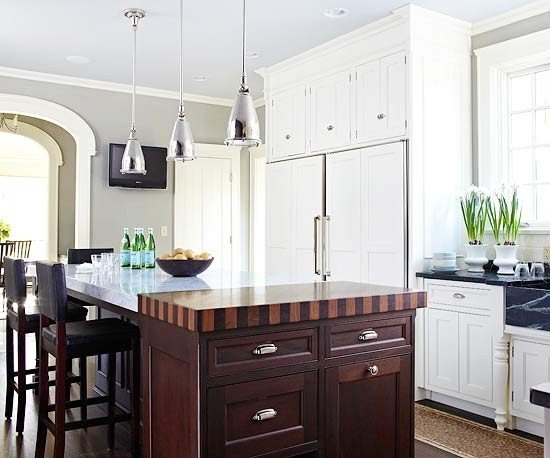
[[367, 86], [368, 409], [476, 356], [531, 366], [393, 95], [343, 206], [442, 363], [288, 134], [330, 112]]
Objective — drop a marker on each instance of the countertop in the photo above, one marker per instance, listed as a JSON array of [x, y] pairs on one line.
[[232, 308], [489, 278]]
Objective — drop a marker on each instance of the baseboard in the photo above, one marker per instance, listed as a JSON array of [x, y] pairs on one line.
[[477, 409], [530, 427]]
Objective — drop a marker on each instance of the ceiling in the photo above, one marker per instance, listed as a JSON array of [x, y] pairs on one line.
[[38, 35]]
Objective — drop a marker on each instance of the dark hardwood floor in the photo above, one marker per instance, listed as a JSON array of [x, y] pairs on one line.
[[91, 443]]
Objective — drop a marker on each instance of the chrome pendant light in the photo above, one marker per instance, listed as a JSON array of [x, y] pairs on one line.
[[132, 160], [243, 128], [182, 146]]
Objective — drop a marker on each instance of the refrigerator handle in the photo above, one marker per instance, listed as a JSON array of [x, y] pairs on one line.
[[317, 247], [326, 245]]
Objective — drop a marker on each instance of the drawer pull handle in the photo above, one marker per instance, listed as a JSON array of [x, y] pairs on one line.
[[373, 370], [459, 296], [265, 349], [369, 334], [265, 414]]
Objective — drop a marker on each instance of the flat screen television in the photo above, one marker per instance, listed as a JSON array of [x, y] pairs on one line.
[[155, 164]]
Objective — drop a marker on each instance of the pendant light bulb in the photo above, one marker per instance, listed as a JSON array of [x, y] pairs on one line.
[[133, 161], [243, 128], [182, 146]]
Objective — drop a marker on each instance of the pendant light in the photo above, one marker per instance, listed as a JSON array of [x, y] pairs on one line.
[[243, 128], [133, 161], [182, 146]]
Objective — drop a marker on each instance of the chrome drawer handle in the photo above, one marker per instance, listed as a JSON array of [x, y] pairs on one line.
[[331, 127], [373, 370], [287, 136], [381, 116], [459, 296], [369, 334], [265, 414], [265, 349]]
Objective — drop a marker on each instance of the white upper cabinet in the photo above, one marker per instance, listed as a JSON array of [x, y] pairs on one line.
[[330, 106], [381, 97], [288, 134]]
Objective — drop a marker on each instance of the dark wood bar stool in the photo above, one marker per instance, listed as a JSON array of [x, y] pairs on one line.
[[24, 317], [66, 341]]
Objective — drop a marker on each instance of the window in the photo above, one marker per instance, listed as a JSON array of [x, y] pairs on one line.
[[529, 140]]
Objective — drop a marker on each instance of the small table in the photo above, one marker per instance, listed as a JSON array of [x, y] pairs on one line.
[[540, 396]]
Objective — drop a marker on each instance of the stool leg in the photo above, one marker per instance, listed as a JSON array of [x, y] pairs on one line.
[[136, 397], [9, 371], [43, 398], [60, 396], [68, 385], [83, 388], [37, 360], [111, 376], [21, 382]]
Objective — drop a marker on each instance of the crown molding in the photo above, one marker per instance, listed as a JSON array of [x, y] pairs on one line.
[[515, 15], [110, 86]]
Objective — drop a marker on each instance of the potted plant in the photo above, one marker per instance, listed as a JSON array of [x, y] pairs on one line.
[[474, 211], [505, 221], [5, 230]]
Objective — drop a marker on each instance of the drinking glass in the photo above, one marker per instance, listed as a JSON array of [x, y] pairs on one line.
[[537, 269], [96, 261], [107, 260], [521, 270]]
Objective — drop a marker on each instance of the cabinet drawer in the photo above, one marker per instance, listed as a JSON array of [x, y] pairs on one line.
[[366, 336], [255, 418], [233, 355], [458, 296]]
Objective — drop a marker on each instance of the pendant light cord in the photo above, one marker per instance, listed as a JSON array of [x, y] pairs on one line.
[[243, 74], [181, 108], [134, 27]]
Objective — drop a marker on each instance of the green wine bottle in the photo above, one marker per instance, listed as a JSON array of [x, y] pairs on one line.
[[125, 249], [142, 242], [136, 250], [149, 253]]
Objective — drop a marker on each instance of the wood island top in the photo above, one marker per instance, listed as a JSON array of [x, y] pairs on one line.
[[232, 308]]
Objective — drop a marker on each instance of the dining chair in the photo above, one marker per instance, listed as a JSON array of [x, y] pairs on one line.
[[81, 255], [6, 249], [66, 341], [21, 248]]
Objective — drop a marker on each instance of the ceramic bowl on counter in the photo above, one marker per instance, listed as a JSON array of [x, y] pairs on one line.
[[445, 261], [184, 268]]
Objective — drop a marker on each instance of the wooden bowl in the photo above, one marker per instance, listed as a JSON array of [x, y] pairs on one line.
[[184, 268]]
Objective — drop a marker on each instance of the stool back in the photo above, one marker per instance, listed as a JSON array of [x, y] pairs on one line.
[[52, 290], [21, 248], [15, 281], [81, 255]]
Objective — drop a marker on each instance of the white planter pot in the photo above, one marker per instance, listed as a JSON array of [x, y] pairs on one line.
[[506, 259], [476, 257]]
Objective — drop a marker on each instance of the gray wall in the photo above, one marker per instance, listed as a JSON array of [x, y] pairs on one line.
[[108, 114], [508, 32]]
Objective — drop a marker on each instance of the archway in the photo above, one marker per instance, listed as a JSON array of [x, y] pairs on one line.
[[85, 148]]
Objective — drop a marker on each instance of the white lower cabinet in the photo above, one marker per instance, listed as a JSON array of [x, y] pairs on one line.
[[442, 349]]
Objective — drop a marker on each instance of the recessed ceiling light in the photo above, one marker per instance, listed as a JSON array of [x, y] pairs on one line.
[[253, 55], [334, 13], [78, 59], [200, 78]]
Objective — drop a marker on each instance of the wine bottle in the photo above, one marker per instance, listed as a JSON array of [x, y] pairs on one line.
[[125, 249], [149, 253]]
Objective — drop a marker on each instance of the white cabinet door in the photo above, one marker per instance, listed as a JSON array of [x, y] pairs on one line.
[[383, 201], [393, 95], [279, 246], [294, 199], [476, 356], [288, 132], [343, 206], [330, 112], [367, 85], [530, 366], [442, 364]]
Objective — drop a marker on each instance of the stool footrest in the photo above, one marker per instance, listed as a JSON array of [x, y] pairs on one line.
[[80, 403], [100, 421]]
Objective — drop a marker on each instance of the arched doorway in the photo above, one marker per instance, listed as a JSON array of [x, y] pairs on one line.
[[85, 148], [32, 155]]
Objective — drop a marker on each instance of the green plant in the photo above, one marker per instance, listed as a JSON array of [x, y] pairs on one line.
[[510, 213], [474, 211], [495, 218], [5, 229]]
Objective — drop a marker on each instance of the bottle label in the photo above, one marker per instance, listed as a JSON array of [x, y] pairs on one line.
[[125, 258], [136, 259], [149, 258]]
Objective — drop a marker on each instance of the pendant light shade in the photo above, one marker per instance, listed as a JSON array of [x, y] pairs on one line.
[[133, 161], [243, 128], [182, 146]]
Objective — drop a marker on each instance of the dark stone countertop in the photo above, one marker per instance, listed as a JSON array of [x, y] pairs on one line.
[[540, 395], [488, 278]]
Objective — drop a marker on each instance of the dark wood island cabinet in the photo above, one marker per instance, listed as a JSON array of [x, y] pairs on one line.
[[311, 370]]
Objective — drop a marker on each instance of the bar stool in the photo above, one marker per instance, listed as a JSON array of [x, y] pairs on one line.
[[24, 317], [66, 341]]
